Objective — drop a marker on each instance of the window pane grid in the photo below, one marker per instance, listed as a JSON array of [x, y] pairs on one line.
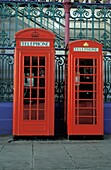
[[34, 88], [85, 91]]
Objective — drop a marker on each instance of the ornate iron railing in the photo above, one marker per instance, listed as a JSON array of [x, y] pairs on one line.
[[91, 22], [86, 21], [80, 1], [107, 78], [6, 77], [17, 16]]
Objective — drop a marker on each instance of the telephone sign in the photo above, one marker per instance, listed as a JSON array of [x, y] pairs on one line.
[[35, 43], [86, 49]]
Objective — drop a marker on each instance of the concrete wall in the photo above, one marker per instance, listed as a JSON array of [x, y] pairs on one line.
[[107, 118], [6, 110]]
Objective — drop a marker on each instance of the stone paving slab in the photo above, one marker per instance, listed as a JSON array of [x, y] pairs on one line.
[[55, 154]]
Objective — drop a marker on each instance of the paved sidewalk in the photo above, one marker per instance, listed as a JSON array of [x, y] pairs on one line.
[[55, 154]]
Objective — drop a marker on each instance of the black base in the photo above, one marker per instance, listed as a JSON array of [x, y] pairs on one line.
[[60, 137], [86, 137]]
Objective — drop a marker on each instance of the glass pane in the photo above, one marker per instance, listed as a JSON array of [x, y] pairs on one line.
[[86, 78], [86, 95], [35, 71], [86, 62], [35, 82], [84, 103], [41, 115], [26, 71], [33, 115], [33, 93], [33, 104], [34, 61], [26, 104], [41, 71], [86, 86], [27, 82], [86, 70], [41, 104], [86, 120], [26, 76], [26, 93], [42, 61], [85, 112], [42, 82], [41, 93], [27, 61], [26, 115], [32, 82], [28, 79]]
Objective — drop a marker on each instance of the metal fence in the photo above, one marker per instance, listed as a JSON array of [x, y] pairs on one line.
[[6, 77], [86, 21], [73, 1]]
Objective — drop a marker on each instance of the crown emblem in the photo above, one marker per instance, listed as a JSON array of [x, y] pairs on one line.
[[35, 34], [85, 44]]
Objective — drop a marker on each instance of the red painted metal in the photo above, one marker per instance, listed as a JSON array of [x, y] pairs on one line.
[[33, 113], [85, 88]]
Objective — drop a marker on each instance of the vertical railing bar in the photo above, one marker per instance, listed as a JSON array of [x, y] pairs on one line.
[[110, 31], [86, 28], [29, 14], [74, 28], [99, 29], [23, 21], [16, 17], [9, 29], [92, 23]]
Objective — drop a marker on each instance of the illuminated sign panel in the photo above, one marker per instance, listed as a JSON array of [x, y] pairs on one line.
[[86, 49], [35, 43]]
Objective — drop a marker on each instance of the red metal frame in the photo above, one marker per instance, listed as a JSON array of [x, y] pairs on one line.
[[85, 88], [33, 113]]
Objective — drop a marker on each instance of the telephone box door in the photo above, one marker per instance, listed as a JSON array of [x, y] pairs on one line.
[[85, 88], [34, 85]]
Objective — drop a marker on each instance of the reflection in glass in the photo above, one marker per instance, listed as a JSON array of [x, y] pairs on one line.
[[26, 93], [41, 71], [86, 78]]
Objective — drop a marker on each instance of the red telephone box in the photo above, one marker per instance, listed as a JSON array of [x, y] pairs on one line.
[[33, 113], [85, 88]]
